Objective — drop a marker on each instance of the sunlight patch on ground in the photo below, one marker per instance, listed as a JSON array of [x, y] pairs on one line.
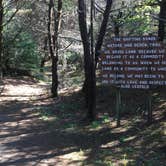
[[22, 89], [130, 138], [111, 144], [9, 154], [69, 159], [56, 143], [74, 157], [119, 130], [22, 92], [48, 119], [68, 91], [163, 105]]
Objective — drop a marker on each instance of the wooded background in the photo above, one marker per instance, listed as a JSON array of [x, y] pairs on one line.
[[49, 39]]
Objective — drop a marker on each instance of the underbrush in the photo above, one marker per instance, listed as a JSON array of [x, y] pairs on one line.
[[102, 143]]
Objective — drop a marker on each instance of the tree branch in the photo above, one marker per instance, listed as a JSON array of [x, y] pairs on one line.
[[102, 30]]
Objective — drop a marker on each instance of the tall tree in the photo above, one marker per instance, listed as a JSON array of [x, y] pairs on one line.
[[1, 29], [89, 66], [53, 31], [89, 59], [162, 20]]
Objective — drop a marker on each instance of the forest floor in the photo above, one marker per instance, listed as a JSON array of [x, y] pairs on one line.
[[36, 130]]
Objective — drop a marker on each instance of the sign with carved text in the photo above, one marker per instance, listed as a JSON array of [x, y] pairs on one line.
[[134, 62]]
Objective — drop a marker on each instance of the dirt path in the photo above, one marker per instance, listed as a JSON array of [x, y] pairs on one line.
[[38, 131], [24, 137]]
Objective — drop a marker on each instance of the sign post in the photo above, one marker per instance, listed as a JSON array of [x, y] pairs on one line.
[[149, 106], [136, 62], [118, 105]]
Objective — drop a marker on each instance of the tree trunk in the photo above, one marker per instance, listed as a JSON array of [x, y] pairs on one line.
[[54, 88], [53, 30], [102, 31], [162, 16], [1, 29], [89, 60], [89, 65]]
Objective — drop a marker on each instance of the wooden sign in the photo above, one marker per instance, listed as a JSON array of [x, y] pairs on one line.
[[134, 62]]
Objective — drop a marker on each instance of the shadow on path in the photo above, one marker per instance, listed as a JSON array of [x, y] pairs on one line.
[[26, 139]]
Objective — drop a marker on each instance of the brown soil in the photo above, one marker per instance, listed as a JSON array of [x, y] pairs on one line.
[[36, 130]]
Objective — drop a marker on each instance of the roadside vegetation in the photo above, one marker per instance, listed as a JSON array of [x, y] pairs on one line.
[[51, 87]]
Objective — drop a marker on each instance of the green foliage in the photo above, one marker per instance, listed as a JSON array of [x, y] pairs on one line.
[[21, 51], [96, 124], [45, 114], [68, 5], [72, 57], [105, 119], [137, 19], [122, 139], [142, 20]]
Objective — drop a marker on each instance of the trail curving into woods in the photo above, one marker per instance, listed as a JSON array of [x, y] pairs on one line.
[[36, 130]]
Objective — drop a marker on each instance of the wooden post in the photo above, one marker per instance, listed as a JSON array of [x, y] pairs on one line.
[[149, 106], [118, 105]]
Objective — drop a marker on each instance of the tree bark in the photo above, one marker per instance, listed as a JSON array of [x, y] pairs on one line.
[[90, 61], [102, 31], [162, 15], [1, 29], [89, 65], [53, 31]]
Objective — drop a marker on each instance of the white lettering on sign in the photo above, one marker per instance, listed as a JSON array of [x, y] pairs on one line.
[[130, 52], [128, 45], [150, 76], [147, 51], [117, 51], [148, 38], [154, 44], [140, 86], [145, 63], [162, 69], [138, 76], [151, 56], [140, 44], [115, 57], [134, 62], [136, 68], [117, 76], [114, 45]]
